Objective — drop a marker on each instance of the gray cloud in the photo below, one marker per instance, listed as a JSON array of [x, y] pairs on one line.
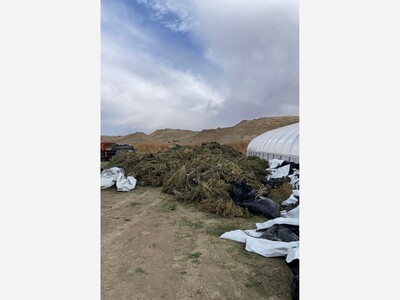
[[248, 68], [257, 47]]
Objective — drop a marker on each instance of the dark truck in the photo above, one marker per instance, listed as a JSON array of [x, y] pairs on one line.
[[119, 147]]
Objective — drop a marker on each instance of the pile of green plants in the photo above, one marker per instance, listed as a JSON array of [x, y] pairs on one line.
[[198, 174]]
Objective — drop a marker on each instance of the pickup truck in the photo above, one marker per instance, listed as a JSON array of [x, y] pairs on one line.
[[105, 149], [119, 147]]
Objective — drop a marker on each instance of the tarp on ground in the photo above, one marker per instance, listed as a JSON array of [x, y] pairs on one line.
[[116, 176], [261, 246], [293, 198], [266, 247]]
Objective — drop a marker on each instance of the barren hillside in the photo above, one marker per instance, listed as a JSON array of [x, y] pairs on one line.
[[242, 132]]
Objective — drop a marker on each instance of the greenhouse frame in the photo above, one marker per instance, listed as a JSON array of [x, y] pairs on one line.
[[280, 143]]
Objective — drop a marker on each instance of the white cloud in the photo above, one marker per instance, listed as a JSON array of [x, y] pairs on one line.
[[138, 91], [164, 9], [254, 45]]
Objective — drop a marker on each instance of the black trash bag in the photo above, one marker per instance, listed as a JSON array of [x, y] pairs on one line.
[[262, 206], [281, 233], [277, 182], [241, 192], [295, 279]]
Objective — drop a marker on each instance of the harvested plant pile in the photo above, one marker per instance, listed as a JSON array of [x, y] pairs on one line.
[[197, 174]]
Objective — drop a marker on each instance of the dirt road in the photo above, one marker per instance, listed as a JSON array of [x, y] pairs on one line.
[[153, 247]]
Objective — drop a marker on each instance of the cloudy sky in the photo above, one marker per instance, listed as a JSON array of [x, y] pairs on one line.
[[197, 64]]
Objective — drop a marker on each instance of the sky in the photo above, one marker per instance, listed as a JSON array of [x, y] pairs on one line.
[[197, 64]]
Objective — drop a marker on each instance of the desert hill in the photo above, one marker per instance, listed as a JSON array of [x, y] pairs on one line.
[[242, 133]]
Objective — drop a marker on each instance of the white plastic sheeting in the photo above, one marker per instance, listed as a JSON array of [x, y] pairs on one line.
[[266, 247], [275, 163], [293, 213], [279, 220], [280, 172], [295, 179], [292, 199], [116, 176], [280, 143]]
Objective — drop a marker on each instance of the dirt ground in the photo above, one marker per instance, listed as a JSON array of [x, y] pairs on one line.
[[153, 247]]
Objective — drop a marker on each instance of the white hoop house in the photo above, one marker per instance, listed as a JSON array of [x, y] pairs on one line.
[[280, 143]]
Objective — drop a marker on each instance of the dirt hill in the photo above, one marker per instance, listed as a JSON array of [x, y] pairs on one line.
[[240, 134]]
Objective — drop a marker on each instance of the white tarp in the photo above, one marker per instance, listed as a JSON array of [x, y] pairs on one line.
[[293, 253], [269, 248], [280, 220], [295, 179], [292, 199], [116, 175], [274, 163], [263, 247], [293, 213], [280, 172]]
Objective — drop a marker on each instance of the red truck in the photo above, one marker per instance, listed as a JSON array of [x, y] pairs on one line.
[[105, 149]]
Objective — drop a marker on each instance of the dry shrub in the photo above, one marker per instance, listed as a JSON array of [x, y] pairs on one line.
[[223, 207], [150, 147], [280, 193], [239, 146], [148, 168], [175, 181]]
